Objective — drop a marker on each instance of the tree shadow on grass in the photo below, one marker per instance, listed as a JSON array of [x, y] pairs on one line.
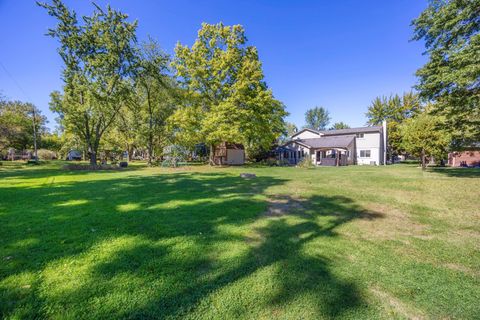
[[152, 247], [279, 242], [457, 172], [50, 222], [26, 172]]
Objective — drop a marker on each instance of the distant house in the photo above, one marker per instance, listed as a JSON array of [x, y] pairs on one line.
[[74, 155], [365, 145], [466, 158], [229, 153]]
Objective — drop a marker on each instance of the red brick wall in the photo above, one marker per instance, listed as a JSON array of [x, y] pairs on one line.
[[472, 158]]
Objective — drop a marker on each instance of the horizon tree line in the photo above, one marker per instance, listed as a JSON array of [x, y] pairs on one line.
[[120, 93]]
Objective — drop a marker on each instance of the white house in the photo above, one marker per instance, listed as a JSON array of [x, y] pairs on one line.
[[364, 145]]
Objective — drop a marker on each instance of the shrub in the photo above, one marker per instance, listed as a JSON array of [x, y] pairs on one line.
[[305, 163], [45, 154]]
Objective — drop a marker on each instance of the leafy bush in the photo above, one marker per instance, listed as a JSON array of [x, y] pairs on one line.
[[271, 162], [45, 154], [305, 163]]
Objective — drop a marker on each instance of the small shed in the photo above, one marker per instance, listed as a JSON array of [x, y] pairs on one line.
[[229, 153], [74, 155]]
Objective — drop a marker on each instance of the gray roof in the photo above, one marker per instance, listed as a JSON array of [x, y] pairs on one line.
[[342, 141], [351, 131]]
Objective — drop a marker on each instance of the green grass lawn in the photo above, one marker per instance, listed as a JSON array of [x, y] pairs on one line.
[[200, 242]]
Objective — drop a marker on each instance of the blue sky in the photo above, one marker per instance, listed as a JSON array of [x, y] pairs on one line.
[[336, 54]]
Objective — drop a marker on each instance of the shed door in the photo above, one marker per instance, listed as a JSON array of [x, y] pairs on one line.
[[235, 156]]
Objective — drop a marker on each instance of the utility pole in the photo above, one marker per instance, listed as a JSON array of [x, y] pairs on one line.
[[34, 133]]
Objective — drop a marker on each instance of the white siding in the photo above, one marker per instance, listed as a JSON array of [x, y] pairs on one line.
[[305, 135], [373, 142]]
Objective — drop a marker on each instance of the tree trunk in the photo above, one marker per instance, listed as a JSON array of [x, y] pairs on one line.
[[150, 127], [129, 153], [212, 155], [150, 150], [93, 158], [424, 165], [93, 151]]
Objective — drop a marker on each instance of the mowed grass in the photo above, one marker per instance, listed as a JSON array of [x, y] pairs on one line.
[[200, 242]]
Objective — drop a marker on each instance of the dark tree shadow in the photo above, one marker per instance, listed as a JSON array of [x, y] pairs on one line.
[[25, 172], [68, 220], [457, 172]]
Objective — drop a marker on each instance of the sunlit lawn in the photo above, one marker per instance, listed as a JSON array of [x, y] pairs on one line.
[[200, 242]]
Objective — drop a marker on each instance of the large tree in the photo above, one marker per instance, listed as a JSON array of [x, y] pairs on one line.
[[227, 98], [17, 124], [394, 109], [289, 130], [98, 56], [155, 97], [451, 76], [317, 118], [423, 136]]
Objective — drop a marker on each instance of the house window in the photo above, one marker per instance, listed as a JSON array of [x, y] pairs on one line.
[[364, 153], [303, 153], [298, 154], [359, 135]]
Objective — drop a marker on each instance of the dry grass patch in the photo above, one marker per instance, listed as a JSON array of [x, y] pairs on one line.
[[394, 306], [393, 225]]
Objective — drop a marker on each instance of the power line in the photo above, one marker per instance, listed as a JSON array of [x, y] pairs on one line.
[[33, 109], [15, 81]]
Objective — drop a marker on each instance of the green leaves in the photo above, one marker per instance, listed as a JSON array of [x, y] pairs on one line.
[[339, 125], [451, 31], [394, 109], [228, 99], [98, 55], [424, 134], [16, 124], [317, 118]]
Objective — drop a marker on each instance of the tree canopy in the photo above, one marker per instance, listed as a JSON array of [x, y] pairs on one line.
[[423, 135], [289, 130], [153, 98], [16, 124], [227, 98], [317, 118], [394, 109], [450, 78], [339, 125], [98, 56]]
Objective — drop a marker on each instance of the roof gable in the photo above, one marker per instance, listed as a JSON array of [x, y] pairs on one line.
[[296, 134]]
